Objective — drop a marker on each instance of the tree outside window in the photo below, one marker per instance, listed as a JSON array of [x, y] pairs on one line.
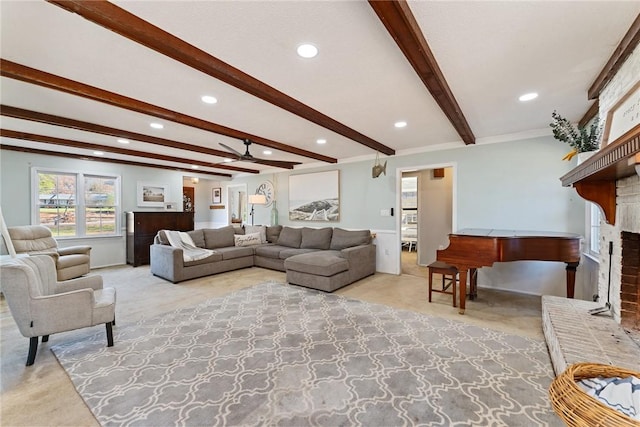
[[77, 205]]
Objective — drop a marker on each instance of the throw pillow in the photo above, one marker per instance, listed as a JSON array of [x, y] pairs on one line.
[[247, 239], [290, 237], [262, 229]]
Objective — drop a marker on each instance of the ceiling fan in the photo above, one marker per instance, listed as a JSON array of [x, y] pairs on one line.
[[248, 157]]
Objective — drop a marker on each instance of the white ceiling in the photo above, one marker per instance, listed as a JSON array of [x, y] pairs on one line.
[[489, 52]]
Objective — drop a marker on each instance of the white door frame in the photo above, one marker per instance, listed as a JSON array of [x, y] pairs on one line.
[[398, 209]]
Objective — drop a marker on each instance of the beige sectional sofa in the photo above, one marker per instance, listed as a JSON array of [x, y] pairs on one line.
[[319, 258]]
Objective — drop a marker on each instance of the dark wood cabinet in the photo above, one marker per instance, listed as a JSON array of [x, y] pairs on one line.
[[143, 226]]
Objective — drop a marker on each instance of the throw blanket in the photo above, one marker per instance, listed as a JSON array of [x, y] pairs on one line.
[[190, 252], [620, 394]]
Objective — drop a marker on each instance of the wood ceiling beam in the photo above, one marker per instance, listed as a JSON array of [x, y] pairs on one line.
[[31, 75], [622, 52], [7, 133], [403, 27], [590, 114], [10, 147], [34, 116], [140, 31]]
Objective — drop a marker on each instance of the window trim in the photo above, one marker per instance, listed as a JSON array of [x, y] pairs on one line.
[[80, 205], [590, 208]]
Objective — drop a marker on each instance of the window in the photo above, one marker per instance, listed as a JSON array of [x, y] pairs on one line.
[[74, 204], [593, 229]]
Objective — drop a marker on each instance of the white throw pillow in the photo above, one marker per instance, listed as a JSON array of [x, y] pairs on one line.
[[262, 229], [247, 239]]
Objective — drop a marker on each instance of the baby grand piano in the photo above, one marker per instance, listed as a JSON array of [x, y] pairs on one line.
[[472, 248]]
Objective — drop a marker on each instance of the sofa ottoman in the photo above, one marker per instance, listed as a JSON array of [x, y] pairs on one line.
[[322, 270]]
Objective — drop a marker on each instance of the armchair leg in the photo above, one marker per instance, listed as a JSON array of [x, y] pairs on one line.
[[45, 338], [33, 347], [109, 335]]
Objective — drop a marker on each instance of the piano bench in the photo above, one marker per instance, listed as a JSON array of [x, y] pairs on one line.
[[449, 278]]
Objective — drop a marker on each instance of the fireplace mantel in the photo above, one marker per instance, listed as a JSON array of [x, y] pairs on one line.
[[595, 179]]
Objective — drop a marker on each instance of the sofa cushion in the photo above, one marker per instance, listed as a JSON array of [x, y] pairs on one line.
[[198, 237], [289, 252], [262, 229], [322, 263], [269, 251], [219, 237], [316, 238], [235, 252], [342, 239], [273, 233], [214, 257], [290, 237], [251, 239]]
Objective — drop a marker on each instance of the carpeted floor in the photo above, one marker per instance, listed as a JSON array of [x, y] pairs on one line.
[[276, 354]]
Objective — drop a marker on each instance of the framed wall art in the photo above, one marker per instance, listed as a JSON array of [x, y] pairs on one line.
[[315, 197], [152, 195], [216, 195]]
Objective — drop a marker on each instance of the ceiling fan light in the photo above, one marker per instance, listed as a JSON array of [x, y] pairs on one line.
[[307, 50]]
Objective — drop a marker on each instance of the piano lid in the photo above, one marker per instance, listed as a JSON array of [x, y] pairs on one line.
[[492, 232]]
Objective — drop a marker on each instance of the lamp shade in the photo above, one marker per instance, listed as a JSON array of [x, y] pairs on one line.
[[257, 199]]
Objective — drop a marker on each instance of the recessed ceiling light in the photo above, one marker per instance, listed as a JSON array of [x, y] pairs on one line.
[[307, 50], [208, 99], [267, 152], [528, 96], [123, 141], [98, 153], [400, 124], [321, 141], [157, 125], [194, 166], [227, 160]]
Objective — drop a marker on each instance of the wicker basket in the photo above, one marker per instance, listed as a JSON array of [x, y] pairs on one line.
[[577, 408]]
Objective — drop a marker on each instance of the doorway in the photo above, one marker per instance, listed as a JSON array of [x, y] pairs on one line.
[[426, 201]]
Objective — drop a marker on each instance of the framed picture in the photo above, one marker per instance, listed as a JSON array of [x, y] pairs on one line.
[[152, 195], [216, 195], [315, 197]]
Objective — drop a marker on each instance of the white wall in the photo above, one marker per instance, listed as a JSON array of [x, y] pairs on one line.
[[507, 185]]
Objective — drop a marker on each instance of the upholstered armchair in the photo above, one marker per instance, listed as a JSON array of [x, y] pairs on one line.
[[41, 306], [70, 262]]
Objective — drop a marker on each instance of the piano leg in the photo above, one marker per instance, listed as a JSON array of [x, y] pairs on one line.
[[473, 283], [571, 278], [463, 288]]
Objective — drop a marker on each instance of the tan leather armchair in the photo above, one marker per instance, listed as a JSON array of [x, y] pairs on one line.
[[42, 306], [70, 262]]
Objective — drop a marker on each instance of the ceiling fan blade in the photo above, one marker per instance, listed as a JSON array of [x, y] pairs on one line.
[[231, 150], [277, 163]]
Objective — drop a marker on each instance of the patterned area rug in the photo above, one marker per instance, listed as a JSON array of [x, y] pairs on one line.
[[277, 354]]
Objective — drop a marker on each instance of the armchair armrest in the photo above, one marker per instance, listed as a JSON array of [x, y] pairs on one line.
[[80, 249], [93, 282]]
